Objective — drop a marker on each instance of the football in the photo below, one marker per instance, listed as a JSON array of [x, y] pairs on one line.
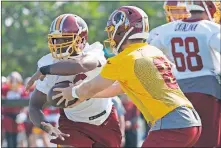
[[51, 93]]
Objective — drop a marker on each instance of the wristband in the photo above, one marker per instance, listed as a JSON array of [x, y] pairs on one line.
[[74, 94], [45, 70]]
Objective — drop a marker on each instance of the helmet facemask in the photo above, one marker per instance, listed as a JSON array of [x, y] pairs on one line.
[[65, 45], [177, 12], [110, 43]]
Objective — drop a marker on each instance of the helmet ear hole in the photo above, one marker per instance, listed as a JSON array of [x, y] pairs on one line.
[[129, 12]]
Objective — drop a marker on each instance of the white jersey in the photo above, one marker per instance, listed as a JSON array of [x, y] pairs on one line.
[[93, 111], [153, 34], [194, 47]]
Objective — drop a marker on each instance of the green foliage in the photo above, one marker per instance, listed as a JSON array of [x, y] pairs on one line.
[[25, 27]]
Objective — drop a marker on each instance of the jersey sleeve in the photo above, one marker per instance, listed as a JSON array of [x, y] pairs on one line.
[[101, 59], [45, 60], [153, 33], [96, 49], [158, 44], [111, 69], [214, 42], [154, 38], [42, 86], [48, 82]]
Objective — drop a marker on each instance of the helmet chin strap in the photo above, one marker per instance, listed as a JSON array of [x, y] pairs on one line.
[[115, 50]]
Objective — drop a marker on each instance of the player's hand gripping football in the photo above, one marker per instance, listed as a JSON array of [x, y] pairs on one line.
[[35, 77], [53, 131], [65, 95]]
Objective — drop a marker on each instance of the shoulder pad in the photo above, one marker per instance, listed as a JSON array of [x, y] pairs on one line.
[[95, 48], [212, 26], [45, 60]]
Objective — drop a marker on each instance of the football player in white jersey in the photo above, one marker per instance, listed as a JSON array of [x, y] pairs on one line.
[[193, 44], [92, 123], [174, 10]]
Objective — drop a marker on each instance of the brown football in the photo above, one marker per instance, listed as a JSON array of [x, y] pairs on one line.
[[52, 93]]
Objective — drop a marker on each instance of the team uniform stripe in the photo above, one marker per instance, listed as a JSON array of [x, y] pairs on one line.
[[59, 22], [51, 27], [62, 21]]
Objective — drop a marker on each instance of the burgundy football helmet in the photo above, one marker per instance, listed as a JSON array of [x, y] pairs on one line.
[[211, 8], [175, 10], [127, 22], [68, 36]]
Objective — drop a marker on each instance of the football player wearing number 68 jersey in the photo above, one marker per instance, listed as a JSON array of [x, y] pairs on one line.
[[193, 44], [93, 123]]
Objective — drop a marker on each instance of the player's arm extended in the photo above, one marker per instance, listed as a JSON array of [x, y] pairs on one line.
[[65, 68], [111, 91], [90, 88], [71, 66], [38, 99]]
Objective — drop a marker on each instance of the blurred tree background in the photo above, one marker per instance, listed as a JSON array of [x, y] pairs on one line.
[[25, 26]]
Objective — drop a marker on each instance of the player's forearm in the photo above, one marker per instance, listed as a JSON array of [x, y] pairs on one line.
[[85, 91], [64, 68], [36, 116], [71, 66], [88, 89], [111, 91], [37, 100]]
